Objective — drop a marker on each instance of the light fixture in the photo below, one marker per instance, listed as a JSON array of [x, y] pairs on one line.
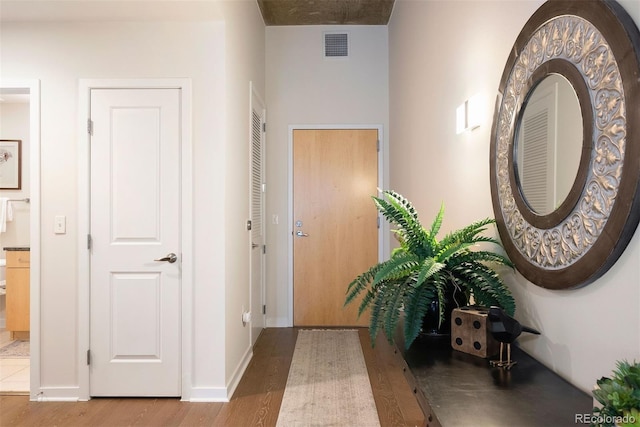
[[469, 114]]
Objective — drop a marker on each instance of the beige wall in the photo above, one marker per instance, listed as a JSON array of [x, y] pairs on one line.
[[441, 53]]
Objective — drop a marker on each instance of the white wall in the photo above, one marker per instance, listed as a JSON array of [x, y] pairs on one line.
[[79, 40], [245, 56], [14, 124], [441, 53], [304, 88]]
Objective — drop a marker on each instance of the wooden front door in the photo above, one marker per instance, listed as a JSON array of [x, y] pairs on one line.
[[335, 173]]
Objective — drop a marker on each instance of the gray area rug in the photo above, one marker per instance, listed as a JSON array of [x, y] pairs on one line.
[[15, 350], [328, 384]]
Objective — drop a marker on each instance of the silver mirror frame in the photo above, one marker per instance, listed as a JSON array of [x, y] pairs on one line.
[[595, 45]]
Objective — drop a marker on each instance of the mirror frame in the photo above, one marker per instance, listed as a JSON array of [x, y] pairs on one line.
[[595, 45]]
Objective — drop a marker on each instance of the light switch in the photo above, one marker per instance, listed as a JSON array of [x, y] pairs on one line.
[[60, 224]]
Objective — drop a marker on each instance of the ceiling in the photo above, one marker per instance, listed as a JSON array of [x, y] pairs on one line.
[[326, 12]]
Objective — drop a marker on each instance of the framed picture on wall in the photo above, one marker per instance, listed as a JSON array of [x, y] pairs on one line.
[[10, 164]]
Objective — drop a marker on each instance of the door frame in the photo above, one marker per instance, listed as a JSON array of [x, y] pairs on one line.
[[186, 214], [383, 234], [33, 86]]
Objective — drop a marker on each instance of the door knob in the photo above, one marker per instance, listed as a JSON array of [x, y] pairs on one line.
[[170, 258], [254, 245], [299, 233]]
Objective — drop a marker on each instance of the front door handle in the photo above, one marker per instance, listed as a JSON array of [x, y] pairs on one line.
[[300, 233], [170, 258]]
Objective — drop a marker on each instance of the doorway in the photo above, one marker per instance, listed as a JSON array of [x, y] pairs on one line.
[[335, 227], [20, 359], [138, 266]]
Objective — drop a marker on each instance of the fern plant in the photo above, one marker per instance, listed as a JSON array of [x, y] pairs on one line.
[[422, 269]]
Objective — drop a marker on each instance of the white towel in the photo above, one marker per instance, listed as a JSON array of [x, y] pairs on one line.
[[6, 213]]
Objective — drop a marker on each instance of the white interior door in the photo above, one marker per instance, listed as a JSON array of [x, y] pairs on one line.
[[257, 217], [135, 338]]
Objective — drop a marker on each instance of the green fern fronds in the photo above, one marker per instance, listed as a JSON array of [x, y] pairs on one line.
[[424, 269], [416, 305], [399, 211], [437, 223], [429, 267], [398, 266]]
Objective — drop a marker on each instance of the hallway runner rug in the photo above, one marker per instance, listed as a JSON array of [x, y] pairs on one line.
[[328, 384]]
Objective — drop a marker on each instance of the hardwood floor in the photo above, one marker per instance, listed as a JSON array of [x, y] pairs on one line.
[[256, 401]]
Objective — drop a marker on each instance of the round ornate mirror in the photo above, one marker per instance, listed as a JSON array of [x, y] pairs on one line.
[[570, 95]]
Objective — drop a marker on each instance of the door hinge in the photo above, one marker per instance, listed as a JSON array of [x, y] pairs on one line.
[[89, 241], [249, 225], [264, 309], [88, 357], [378, 145], [264, 249], [90, 127], [378, 222], [264, 127]]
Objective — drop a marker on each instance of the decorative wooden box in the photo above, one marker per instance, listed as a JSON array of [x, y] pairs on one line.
[[470, 332]]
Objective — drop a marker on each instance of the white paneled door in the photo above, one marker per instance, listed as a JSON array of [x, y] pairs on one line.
[[135, 307]]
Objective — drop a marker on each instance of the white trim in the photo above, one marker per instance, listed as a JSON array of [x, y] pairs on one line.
[[58, 394], [239, 372], [208, 394], [220, 394], [33, 85], [85, 87], [382, 231], [278, 322]]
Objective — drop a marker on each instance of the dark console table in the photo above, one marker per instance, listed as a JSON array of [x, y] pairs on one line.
[[458, 389]]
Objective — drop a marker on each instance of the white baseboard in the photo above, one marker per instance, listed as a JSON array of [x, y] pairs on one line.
[[239, 371], [56, 394], [209, 394], [278, 322]]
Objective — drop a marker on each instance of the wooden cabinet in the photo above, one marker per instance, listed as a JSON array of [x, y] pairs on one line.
[[17, 310]]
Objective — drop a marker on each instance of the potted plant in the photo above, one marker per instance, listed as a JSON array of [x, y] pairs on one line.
[[619, 396], [424, 271]]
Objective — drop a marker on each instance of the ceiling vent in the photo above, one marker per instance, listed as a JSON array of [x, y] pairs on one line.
[[336, 45]]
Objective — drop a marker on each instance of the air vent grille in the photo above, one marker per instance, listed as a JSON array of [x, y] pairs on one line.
[[336, 45]]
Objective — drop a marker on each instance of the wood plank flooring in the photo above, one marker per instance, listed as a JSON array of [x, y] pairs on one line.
[[256, 401]]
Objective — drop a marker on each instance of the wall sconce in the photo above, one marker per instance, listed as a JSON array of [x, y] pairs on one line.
[[469, 114]]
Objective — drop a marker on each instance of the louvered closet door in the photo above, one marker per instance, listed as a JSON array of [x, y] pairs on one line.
[[536, 150], [257, 217]]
